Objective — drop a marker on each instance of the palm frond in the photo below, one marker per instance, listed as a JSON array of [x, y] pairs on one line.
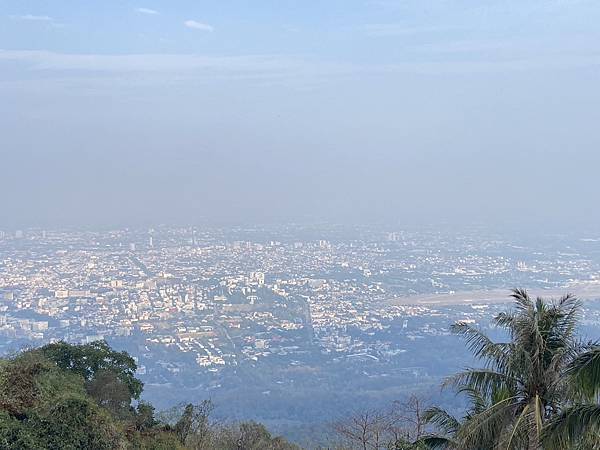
[[481, 345], [477, 400], [442, 420], [485, 381], [435, 442], [563, 319], [505, 320], [584, 371], [522, 299], [572, 425], [483, 430]]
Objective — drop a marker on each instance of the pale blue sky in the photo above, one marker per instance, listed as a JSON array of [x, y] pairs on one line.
[[430, 110], [375, 31]]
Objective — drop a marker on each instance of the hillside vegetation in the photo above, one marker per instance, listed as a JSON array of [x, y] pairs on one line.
[[64, 396]]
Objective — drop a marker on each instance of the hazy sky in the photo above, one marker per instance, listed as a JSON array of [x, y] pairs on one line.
[[137, 112]]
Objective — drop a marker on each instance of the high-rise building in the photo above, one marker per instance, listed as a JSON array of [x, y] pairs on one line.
[[258, 277], [393, 237], [324, 244]]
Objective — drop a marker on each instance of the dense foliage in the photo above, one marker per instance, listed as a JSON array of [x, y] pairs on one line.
[[64, 396]]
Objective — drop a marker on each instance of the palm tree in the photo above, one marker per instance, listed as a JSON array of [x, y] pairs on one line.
[[578, 424], [451, 429], [531, 386]]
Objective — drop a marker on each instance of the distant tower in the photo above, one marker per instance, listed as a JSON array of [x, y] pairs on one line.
[[132, 247], [151, 241], [393, 237]]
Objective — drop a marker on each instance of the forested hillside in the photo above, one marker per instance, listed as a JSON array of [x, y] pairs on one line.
[[64, 396]]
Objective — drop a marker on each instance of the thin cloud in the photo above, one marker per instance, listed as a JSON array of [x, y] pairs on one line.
[[33, 18], [269, 67], [152, 63], [199, 26], [147, 11], [395, 29]]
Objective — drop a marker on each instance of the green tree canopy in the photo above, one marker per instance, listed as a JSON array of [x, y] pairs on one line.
[[70, 397], [93, 360]]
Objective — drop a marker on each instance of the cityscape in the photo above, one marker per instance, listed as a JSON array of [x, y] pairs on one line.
[[265, 315], [299, 225]]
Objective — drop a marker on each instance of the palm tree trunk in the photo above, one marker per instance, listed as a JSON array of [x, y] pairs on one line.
[[533, 434]]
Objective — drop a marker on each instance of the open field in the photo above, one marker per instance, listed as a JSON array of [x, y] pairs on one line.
[[584, 291]]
